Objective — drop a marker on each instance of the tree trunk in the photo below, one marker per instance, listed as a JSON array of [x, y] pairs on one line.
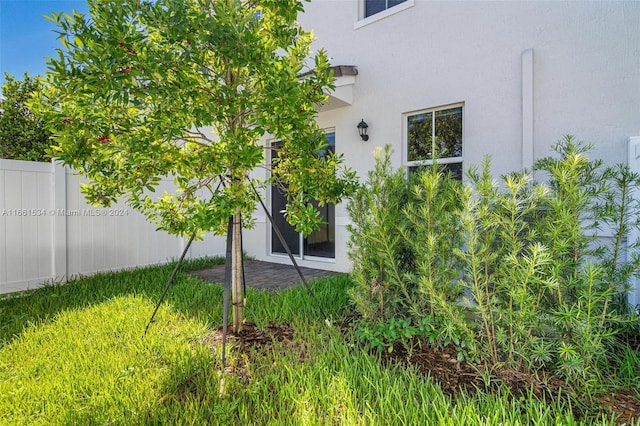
[[236, 273]]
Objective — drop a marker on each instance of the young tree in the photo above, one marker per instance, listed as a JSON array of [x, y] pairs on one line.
[[187, 89], [22, 134]]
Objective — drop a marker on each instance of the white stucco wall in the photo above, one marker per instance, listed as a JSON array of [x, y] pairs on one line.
[[585, 73]]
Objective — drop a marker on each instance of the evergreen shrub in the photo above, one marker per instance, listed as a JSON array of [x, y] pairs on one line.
[[531, 273]]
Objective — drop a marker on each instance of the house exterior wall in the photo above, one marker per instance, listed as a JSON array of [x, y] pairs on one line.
[[586, 72], [526, 73]]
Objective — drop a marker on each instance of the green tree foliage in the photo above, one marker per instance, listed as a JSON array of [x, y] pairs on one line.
[[23, 135], [186, 89]]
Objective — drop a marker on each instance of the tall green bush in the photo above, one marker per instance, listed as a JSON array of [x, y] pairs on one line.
[[403, 235], [543, 264], [503, 263], [618, 211], [376, 247], [432, 230], [587, 221], [567, 219]]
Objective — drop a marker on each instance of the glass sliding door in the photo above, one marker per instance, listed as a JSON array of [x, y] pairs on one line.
[[320, 243], [291, 236]]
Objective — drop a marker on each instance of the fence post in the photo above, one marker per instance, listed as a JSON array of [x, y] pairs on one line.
[[634, 234], [59, 220]]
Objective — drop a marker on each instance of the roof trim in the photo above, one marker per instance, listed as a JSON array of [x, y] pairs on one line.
[[338, 71]]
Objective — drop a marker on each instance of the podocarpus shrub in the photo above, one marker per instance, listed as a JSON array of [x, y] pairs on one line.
[[503, 264], [378, 251], [404, 234], [543, 286]]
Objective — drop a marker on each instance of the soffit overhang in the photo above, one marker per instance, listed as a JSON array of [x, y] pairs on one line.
[[342, 95]]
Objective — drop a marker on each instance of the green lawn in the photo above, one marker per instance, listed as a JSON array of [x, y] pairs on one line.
[[77, 354]]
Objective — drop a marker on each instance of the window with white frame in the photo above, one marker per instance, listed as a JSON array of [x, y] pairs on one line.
[[435, 135], [371, 7]]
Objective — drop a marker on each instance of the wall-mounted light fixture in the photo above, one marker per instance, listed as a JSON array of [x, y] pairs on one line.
[[362, 129]]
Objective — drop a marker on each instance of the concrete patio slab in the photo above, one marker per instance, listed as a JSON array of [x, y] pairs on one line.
[[266, 275]]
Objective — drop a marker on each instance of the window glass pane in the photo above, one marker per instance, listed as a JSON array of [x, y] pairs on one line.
[[449, 133], [395, 2], [454, 168], [291, 236], [331, 142], [371, 7], [279, 204], [321, 243], [420, 136]]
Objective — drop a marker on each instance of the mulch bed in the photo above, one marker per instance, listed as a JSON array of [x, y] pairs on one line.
[[253, 342], [441, 365], [251, 337], [453, 377]]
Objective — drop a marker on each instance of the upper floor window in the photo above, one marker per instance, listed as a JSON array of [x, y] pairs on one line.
[[371, 7], [371, 11], [435, 135]]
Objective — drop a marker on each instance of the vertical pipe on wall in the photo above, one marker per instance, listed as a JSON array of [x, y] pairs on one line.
[[527, 109], [634, 166]]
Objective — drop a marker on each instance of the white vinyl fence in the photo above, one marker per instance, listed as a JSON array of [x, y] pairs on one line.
[[49, 233]]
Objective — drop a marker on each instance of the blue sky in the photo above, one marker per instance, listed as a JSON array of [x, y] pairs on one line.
[[26, 38]]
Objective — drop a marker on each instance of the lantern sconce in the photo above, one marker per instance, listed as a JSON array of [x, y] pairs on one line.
[[362, 129]]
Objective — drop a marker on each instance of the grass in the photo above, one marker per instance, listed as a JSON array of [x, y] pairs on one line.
[[76, 354]]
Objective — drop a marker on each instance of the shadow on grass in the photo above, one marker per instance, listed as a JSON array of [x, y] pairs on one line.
[[106, 333], [188, 294]]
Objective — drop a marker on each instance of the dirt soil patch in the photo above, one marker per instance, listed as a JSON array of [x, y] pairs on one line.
[[253, 343], [251, 337], [440, 364]]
